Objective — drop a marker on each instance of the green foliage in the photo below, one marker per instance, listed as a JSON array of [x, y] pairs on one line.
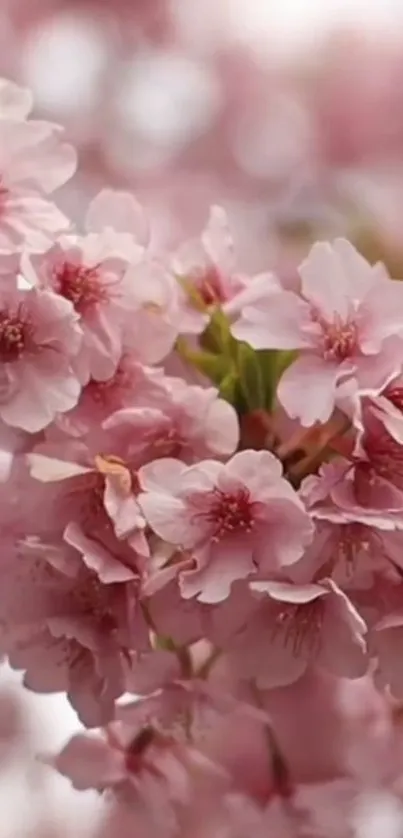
[[245, 377]]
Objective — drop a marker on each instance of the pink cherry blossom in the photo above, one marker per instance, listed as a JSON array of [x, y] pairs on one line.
[[179, 420], [130, 384], [345, 322], [233, 518], [367, 486], [120, 212], [39, 339], [66, 628], [94, 503], [33, 163], [208, 275], [93, 272], [294, 626], [144, 766]]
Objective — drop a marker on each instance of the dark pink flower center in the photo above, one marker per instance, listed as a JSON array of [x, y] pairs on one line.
[[230, 512], [300, 626], [80, 285], [339, 339], [15, 336], [167, 443], [209, 286]]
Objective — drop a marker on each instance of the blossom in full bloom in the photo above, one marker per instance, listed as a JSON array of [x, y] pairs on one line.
[[39, 339], [68, 630], [34, 161], [209, 278], [123, 300], [233, 518], [296, 625], [176, 420], [346, 322]]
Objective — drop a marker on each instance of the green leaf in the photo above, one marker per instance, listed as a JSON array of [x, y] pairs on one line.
[[214, 367], [229, 387], [251, 377], [217, 336]]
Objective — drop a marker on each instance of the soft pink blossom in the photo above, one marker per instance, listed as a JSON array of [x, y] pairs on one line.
[[346, 323], [131, 384], [209, 278], [94, 502], [96, 274], [68, 630], [39, 340], [118, 211], [33, 163], [145, 767], [293, 626], [177, 420], [232, 518]]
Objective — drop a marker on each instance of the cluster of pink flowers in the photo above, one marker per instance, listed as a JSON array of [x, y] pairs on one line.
[[201, 482]]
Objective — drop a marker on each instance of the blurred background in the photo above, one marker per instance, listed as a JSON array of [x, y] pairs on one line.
[[289, 114]]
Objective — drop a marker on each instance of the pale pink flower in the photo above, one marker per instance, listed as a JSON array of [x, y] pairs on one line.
[[39, 339], [131, 383], [346, 322], [368, 486], [92, 273], [93, 502], [33, 163], [232, 518], [294, 626], [352, 553], [179, 420], [144, 767], [207, 273], [68, 630], [118, 211]]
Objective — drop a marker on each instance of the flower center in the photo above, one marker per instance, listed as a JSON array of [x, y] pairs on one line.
[[300, 626], [15, 336], [339, 338], [208, 286], [230, 512], [80, 285], [167, 443]]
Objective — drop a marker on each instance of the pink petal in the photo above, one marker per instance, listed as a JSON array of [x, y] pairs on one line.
[[119, 211], [90, 762], [278, 323], [97, 558], [224, 564], [325, 282], [307, 390]]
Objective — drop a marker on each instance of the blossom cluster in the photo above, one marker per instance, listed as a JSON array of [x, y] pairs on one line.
[[201, 482]]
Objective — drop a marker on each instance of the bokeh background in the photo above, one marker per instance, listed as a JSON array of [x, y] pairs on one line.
[[290, 114]]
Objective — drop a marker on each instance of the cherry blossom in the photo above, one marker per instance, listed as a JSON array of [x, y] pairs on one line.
[[67, 629], [345, 322], [207, 274], [179, 420], [234, 518], [33, 163], [39, 339], [296, 625]]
